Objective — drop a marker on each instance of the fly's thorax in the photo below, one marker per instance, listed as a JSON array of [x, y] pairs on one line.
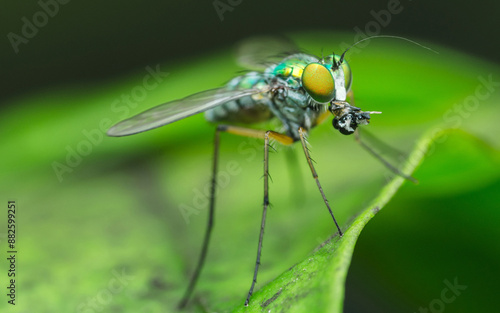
[[294, 109], [291, 68]]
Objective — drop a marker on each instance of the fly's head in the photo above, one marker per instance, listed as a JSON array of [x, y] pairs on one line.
[[348, 117], [328, 82]]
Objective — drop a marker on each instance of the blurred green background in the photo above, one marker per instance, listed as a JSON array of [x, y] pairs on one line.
[[114, 210]]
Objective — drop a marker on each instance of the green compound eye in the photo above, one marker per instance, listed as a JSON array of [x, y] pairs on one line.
[[317, 80]]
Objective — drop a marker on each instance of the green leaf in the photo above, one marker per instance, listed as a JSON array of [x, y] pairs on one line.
[[317, 283], [118, 209]]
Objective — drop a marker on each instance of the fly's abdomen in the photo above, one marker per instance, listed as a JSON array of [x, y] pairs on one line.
[[246, 109]]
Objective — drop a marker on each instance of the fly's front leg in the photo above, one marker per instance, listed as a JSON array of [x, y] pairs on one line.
[[386, 163], [315, 176]]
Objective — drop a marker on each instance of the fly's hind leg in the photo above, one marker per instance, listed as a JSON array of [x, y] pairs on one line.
[[245, 132], [208, 232], [266, 136]]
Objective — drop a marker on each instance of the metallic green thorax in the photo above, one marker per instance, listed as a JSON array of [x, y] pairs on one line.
[[294, 103]]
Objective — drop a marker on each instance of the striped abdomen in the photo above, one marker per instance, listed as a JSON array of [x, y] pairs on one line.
[[245, 109]]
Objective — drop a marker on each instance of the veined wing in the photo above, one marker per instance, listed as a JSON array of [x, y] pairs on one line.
[[178, 109], [257, 53]]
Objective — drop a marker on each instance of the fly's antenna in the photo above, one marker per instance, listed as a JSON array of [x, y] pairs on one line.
[[336, 64], [383, 36]]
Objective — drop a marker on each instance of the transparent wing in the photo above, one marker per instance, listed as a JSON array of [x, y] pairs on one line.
[[257, 53], [178, 109]]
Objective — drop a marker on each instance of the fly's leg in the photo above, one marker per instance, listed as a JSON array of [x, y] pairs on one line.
[[386, 163], [284, 140], [266, 135], [245, 132], [206, 240], [264, 212], [255, 133], [315, 176]]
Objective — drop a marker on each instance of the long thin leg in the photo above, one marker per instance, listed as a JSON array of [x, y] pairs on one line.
[[386, 163], [315, 176], [245, 132], [264, 211], [283, 139], [201, 260]]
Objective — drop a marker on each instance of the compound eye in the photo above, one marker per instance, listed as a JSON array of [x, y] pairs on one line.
[[318, 82]]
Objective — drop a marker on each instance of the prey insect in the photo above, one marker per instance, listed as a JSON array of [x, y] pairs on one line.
[[298, 89]]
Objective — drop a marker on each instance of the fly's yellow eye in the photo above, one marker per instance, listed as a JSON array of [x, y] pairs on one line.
[[317, 80]]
